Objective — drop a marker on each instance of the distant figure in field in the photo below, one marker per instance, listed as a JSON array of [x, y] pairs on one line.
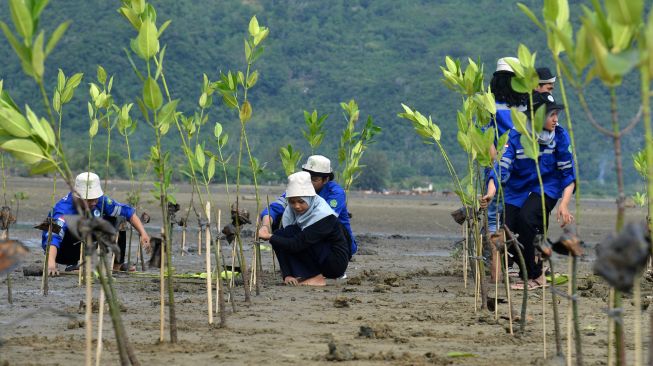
[[312, 244], [321, 173], [64, 247]]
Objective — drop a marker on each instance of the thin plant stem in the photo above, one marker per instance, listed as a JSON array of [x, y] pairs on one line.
[[574, 301], [556, 316]]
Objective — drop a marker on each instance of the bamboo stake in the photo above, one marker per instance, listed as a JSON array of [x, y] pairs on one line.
[[544, 314], [199, 241], [576, 318], [569, 321], [637, 297], [466, 252], [209, 286], [162, 292], [610, 328], [183, 240], [140, 252], [81, 260], [507, 283], [556, 317], [495, 269], [89, 307], [219, 295], [100, 322]]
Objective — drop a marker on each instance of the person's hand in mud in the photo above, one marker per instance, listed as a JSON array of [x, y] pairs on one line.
[[264, 232], [145, 243], [484, 201], [290, 281], [53, 270]]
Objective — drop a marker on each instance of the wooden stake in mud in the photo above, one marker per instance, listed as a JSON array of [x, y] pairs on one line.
[[465, 253], [219, 288], [209, 286], [100, 321], [199, 240], [81, 260], [637, 297], [556, 316], [513, 240], [507, 283], [544, 315], [89, 305], [183, 240], [570, 324], [162, 293], [610, 328]]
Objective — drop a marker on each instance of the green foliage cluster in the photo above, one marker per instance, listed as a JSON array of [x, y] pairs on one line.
[[318, 54]]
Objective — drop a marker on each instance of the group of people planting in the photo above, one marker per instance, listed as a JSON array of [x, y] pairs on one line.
[[523, 179], [308, 226]]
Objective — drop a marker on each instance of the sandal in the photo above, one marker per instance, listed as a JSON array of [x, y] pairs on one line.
[[72, 268], [532, 284], [125, 267]]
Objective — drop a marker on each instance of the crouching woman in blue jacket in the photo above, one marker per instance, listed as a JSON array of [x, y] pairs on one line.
[[522, 194], [312, 245]]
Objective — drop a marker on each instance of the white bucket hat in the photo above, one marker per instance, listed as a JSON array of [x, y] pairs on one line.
[[87, 186], [502, 65], [299, 185], [318, 164]]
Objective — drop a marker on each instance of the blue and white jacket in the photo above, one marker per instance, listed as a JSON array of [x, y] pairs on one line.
[[105, 207], [333, 194], [519, 174]]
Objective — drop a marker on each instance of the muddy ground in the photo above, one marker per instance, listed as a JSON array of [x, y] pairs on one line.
[[404, 302]]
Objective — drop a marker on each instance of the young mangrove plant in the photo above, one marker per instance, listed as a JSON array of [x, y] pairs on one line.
[[353, 144], [314, 132]]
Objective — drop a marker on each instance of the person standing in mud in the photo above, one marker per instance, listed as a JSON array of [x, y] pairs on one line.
[[505, 98], [321, 173], [521, 186], [64, 248], [311, 245]]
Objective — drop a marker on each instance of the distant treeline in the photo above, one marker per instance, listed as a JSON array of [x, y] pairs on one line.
[[319, 53]]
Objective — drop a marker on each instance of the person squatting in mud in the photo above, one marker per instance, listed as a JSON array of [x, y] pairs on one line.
[[312, 244], [64, 248], [322, 179], [521, 187]]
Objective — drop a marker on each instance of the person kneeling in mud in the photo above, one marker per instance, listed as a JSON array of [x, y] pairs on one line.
[[311, 245], [64, 248]]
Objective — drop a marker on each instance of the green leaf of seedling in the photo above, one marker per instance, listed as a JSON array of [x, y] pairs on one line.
[[163, 27], [529, 149], [223, 140], [217, 130], [199, 156], [229, 100], [42, 167], [22, 18], [38, 56], [92, 131], [252, 79], [626, 12], [210, 170], [33, 120], [464, 141], [202, 100], [526, 10], [519, 120], [519, 85], [56, 36], [150, 12], [148, 43], [131, 16], [460, 354], [540, 118], [138, 6], [91, 111], [24, 150], [622, 63], [49, 133], [257, 52], [20, 49], [37, 7], [167, 112], [56, 101], [245, 112], [101, 75], [262, 35], [152, 96], [14, 122], [253, 27], [248, 50], [61, 80], [74, 81], [159, 64]]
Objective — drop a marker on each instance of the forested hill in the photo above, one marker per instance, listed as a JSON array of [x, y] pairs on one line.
[[319, 53]]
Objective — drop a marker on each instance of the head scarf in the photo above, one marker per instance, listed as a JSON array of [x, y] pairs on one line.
[[317, 210]]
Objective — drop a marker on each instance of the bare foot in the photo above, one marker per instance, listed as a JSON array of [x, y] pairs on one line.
[[318, 280], [290, 281]]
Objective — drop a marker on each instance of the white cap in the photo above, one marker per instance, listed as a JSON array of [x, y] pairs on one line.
[[502, 65], [87, 186], [299, 185], [318, 164]]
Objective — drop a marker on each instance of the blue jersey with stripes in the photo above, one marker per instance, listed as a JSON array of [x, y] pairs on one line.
[[105, 207], [519, 174], [333, 194]]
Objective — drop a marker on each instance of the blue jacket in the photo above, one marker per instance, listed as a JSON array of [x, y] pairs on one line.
[[519, 174], [105, 207], [333, 194]]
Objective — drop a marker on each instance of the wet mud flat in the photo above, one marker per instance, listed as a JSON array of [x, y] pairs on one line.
[[403, 302]]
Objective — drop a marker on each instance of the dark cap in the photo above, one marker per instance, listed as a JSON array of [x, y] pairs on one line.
[[540, 99], [545, 75]]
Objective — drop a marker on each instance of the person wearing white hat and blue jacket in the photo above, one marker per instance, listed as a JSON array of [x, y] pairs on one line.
[[321, 173], [63, 246], [311, 245]]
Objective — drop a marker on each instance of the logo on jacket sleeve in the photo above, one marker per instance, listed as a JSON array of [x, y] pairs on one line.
[[333, 203]]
